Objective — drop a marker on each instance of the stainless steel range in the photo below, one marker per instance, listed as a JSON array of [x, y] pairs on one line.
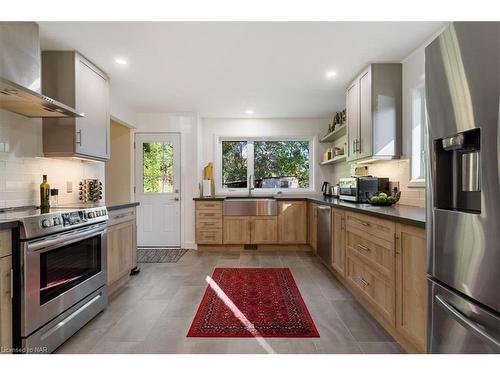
[[61, 275]]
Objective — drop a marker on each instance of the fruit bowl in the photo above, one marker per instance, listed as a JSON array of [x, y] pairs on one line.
[[382, 199]]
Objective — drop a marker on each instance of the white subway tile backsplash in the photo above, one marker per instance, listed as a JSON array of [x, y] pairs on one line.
[[22, 168]]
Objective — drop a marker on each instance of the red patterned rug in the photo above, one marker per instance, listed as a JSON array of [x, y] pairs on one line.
[[252, 302]]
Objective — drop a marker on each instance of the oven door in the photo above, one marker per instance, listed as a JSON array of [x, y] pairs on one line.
[[59, 271]]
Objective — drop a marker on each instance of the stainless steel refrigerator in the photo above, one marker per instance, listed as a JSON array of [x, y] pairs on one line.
[[462, 78]]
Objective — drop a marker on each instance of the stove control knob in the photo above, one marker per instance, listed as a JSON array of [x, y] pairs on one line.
[[46, 223], [98, 213], [90, 215], [57, 221], [104, 212]]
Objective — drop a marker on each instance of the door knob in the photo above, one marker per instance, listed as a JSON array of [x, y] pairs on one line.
[[176, 199]]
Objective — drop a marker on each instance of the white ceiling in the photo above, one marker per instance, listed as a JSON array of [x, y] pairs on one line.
[[217, 69]]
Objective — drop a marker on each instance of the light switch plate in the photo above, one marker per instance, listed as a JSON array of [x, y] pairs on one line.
[[69, 186]]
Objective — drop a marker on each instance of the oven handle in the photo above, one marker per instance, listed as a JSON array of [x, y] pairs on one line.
[[69, 238]]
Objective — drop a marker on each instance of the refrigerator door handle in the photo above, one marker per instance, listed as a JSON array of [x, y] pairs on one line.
[[468, 323]]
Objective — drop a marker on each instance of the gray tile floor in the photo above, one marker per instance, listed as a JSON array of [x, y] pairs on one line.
[[154, 311]]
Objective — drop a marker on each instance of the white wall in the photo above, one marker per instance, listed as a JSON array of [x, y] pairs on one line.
[[212, 128], [21, 168], [187, 126]]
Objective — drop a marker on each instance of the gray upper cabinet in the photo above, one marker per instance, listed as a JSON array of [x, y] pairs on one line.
[[70, 78], [374, 114], [352, 112]]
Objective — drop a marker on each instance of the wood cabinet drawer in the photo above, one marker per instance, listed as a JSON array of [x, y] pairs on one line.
[[371, 226], [374, 288], [209, 206], [377, 252], [5, 242], [204, 237], [209, 214], [121, 216], [209, 223]]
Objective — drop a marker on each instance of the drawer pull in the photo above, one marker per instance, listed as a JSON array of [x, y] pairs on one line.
[[364, 282], [364, 248], [121, 216]]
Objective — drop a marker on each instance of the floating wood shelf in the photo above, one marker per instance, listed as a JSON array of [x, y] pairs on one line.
[[336, 159], [334, 135]]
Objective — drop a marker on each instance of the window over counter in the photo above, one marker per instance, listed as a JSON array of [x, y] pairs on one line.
[[418, 118], [274, 164]]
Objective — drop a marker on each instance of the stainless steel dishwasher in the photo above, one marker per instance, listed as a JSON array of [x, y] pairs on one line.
[[325, 233]]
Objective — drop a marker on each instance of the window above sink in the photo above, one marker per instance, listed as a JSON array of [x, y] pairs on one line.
[[272, 164]]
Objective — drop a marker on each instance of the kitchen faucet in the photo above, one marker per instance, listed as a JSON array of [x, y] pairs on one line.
[[250, 183]]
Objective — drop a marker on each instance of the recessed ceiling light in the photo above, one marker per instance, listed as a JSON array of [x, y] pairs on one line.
[[249, 111], [121, 61], [331, 74]]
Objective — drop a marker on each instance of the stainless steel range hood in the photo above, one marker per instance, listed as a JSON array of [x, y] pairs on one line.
[[20, 74], [18, 99]]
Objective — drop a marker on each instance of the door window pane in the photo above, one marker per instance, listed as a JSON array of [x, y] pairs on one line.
[[158, 167], [281, 164], [234, 164]]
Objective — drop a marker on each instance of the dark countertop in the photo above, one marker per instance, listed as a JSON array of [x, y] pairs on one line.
[[8, 224], [118, 205], [399, 213]]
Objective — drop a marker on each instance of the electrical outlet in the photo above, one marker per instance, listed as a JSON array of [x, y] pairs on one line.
[[69, 186]]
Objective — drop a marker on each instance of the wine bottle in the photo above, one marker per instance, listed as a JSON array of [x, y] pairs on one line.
[[44, 193]]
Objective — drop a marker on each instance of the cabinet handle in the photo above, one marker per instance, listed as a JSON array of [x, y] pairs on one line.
[[358, 145], [364, 282], [362, 247], [396, 245], [363, 223], [79, 141], [11, 284]]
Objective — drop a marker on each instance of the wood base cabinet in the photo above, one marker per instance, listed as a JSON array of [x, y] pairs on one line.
[[263, 230], [237, 230], [374, 288], [242, 230], [292, 222], [122, 247], [338, 241], [385, 270], [209, 223], [411, 285]]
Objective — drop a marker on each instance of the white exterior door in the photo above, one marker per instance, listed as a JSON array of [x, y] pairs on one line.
[[157, 189]]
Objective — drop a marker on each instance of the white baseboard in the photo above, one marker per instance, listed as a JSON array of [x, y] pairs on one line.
[[189, 245]]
